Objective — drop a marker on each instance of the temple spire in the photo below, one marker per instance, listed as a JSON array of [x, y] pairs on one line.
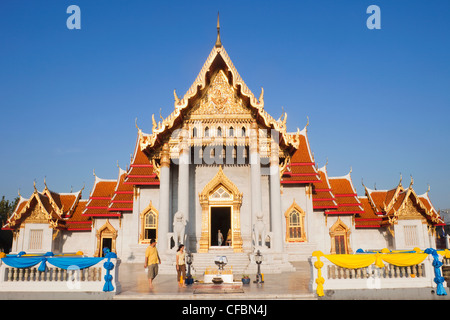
[[218, 42]]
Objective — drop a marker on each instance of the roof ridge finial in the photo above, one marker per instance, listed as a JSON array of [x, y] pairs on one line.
[[218, 42]]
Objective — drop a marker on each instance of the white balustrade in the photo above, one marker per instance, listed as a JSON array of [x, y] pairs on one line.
[[373, 277], [55, 279]]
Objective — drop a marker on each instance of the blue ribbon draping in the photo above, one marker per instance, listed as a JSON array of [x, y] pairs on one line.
[[63, 263], [108, 265], [80, 262], [19, 262], [438, 279], [22, 261]]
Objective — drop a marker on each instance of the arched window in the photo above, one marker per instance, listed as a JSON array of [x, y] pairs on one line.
[[243, 132], [149, 224], [206, 132], [231, 132], [194, 132], [219, 131], [339, 234], [295, 224]]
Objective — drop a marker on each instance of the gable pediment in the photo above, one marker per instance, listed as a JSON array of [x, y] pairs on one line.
[[219, 100], [410, 211], [37, 216]]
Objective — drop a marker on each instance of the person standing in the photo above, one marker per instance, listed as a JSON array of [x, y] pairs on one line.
[[181, 266], [219, 238], [152, 261], [229, 237]]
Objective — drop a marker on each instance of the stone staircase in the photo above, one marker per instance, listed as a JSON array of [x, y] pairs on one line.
[[237, 261], [241, 263]]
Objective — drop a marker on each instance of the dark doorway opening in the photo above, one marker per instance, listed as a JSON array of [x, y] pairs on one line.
[[150, 234], [220, 220], [106, 243]]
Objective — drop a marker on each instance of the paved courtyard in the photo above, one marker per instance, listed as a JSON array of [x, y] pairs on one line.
[[276, 287], [292, 285]]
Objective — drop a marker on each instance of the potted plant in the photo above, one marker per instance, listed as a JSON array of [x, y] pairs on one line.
[[189, 280], [245, 279]]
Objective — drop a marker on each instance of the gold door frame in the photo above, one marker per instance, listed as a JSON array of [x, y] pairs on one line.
[[235, 202], [106, 231]]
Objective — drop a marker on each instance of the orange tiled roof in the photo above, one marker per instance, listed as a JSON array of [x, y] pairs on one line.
[[302, 166], [78, 221], [122, 200], [368, 218], [425, 200], [141, 170], [59, 206], [19, 207], [100, 198], [386, 203], [346, 197], [323, 197]]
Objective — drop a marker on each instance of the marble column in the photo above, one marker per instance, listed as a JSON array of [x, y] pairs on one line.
[[255, 172], [275, 196], [183, 177], [164, 200]]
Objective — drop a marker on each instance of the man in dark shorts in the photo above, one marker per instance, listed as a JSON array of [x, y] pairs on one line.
[[151, 261]]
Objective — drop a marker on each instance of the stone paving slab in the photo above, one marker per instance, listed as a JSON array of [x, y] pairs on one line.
[[291, 285]]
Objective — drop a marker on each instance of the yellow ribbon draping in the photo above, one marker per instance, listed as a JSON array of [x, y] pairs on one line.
[[351, 261], [356, 261], [445, 253], [404, 259], [320, 280]]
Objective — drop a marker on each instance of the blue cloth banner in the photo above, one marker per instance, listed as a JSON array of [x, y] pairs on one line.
[[81, 262], [438, 279], [63, 263], [23, 261], [17, 262]]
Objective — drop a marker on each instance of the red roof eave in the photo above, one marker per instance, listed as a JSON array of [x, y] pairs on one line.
[[297, 181], [368, 226], [103, 214], [343, 212], [324, 207], [154, 183]]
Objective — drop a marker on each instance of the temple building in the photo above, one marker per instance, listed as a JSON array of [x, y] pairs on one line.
[[219, 161]]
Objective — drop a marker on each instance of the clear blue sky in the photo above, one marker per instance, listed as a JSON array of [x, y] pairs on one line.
[[378, 100]]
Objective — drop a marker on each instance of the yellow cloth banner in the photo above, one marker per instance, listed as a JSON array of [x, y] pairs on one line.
[[356, 261], [351, 261], [404, 259]]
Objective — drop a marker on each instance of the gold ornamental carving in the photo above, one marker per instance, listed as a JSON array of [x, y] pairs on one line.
[[37, 216], [220, 99], [408, 211]]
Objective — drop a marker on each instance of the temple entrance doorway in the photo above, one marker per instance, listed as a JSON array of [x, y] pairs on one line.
[[221, 209], [220, 220]]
